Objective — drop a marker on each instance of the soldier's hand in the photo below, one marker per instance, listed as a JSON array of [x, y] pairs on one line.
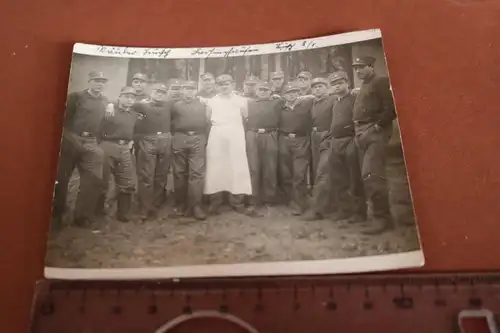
[[110, 110], [355, 91], [131, 145]]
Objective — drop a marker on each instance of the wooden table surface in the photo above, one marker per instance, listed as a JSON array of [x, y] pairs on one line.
[[443, 60]]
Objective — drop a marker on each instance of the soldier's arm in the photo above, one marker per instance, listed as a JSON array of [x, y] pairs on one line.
[[388, 108], [208, 113], [138, 110], [71, 105]]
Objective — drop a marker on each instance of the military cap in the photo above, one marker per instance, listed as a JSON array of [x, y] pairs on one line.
[[160, 86], [190, 84], [224, 78], [336, 76], [140, 76], [277, 75], [252, 80], [305, 74], [207, 75], [174, 83], [290, 87], [264, 85], [94, 75], [127, 90], [319, 80], [363, 61]]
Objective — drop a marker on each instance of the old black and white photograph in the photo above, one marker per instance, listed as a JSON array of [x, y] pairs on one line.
[[270, 159]]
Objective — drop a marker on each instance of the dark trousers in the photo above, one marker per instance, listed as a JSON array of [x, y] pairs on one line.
[[84, 154], [322, 189], [262, 152], [316, 140], [346, 176], [294, 157], [153, 163], [188, 162], [372, 143], [119, 163]]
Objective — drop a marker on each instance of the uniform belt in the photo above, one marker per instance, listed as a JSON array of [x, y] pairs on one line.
[[292, 135], [363, 122], [317, 129], [120, 142], [87, 135], [263, 130], [157, 134], [189, 132]]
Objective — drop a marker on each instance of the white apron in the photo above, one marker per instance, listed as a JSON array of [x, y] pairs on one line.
[[226, 162]]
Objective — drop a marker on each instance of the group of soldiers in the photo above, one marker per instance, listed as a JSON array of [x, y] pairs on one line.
[[309, 124]]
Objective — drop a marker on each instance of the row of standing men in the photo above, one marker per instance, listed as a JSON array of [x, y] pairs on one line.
[[346, 133]]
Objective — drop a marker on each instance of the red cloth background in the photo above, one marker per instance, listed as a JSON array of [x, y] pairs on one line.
[[443, 60]]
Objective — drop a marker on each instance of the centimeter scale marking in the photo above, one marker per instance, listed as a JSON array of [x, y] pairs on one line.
[[356, 303]]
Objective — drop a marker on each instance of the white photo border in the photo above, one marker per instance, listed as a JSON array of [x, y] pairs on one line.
[[395, 261], [226, 51]]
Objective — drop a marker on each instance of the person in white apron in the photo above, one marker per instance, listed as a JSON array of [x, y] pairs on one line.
[[226, 161]]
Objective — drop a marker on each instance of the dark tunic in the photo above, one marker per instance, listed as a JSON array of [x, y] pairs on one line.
[[321, 113], [85, 112], [120, 126], [155, 118], [189, 116], [298, 120], [264, 113], [374, 103], [342, 124]]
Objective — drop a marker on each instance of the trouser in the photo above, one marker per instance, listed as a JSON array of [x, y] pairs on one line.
[[348, 185], [153, 163], [294, 157], [83, 153], [262, 152], [322, 189], [372, 142], [188, 162], [118, 162], [316, 140]]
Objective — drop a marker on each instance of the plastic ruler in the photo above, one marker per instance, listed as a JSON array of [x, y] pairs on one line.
[[423, 303]]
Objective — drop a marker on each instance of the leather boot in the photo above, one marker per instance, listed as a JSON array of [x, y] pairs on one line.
[[100, 206], [199, 214], [379, 226], [124, 202], [312, 215]]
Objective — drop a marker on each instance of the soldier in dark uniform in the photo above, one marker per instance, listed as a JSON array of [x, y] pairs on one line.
[[190, 126], [174, 90], [249, 87], [278, 80], [304, 83], [117, 132], [207, 86], [79, 148], [153, 141], [139, 83], [348, 193], [262, 144], [373, 114], [321, 113], [295, 147]]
